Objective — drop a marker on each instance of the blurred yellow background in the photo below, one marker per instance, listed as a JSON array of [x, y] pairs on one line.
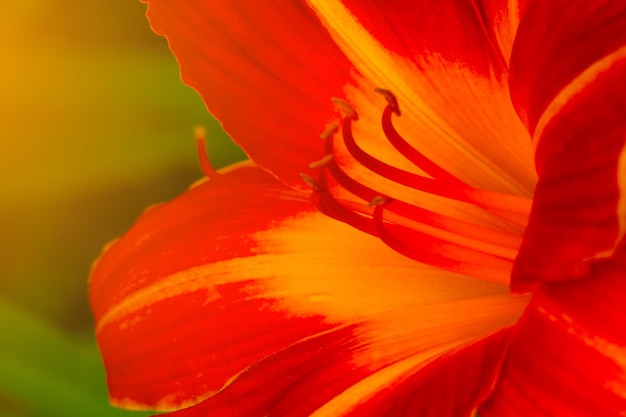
[[95, 125]]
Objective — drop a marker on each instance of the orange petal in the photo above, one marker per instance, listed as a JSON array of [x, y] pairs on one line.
[[238, 294], [567, 355]]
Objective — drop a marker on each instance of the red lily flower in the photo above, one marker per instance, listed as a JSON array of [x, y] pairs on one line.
[[246, 297]]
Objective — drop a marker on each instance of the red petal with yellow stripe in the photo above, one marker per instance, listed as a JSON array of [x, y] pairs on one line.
[[239, 296]]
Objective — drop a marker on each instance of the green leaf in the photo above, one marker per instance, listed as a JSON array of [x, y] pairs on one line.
[[46, 374]]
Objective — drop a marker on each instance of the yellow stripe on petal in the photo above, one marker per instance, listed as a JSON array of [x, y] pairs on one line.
[[343, 272]]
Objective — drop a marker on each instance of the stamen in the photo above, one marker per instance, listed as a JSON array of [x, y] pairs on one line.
[[413, 154], [379, 200], [440, 253], [330, 129], [199, 133], [322, 162], [410, 215], [346, 109], [421, 234], [391, 100], [392, 173], [512, 208], [313, 185], [329, 205]]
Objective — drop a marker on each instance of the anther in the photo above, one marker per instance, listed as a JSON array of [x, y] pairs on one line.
[[346, 109], [379, 200], [310, 182], [330, 129], [322, 162], [391, 100]]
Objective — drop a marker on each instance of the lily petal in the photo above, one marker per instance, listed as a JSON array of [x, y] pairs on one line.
[[556, 42], [567, 82], [567, 354], [239, 283], [579, 208], [453, 385]]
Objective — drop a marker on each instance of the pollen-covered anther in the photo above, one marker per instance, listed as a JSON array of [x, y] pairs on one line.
[[379, 200], [391, 100], [330, 129], [322, 162], [346, 109], [310, 182]]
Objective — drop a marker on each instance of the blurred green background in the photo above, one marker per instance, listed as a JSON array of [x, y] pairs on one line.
[[95, 126]]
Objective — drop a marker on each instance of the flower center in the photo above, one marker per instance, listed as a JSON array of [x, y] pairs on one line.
[[421, 234]]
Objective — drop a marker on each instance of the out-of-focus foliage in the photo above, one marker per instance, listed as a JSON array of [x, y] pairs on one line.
[[95, 125], [46, 373]]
